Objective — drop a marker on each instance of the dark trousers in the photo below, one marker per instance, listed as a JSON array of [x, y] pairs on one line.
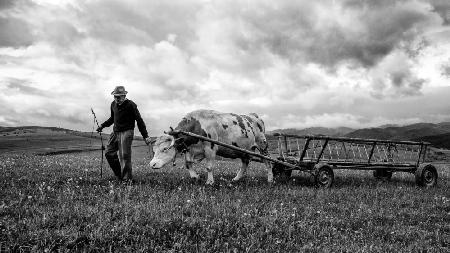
[[118, 153]]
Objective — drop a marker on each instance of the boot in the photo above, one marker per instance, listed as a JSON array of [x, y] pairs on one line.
[[114, 163]]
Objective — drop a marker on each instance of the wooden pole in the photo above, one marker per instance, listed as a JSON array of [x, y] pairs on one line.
[[235, 148]]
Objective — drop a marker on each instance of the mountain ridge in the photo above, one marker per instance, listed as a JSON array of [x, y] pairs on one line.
[[338, 131], [407, 132], [438, 134]]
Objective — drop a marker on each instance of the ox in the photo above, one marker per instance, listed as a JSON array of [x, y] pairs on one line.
[[244, 131]]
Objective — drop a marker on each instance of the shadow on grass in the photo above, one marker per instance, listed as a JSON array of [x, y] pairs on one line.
[[346, 180], [170, 178], [173, 180]]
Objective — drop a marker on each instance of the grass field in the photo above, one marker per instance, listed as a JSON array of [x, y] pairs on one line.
[[60, 203]]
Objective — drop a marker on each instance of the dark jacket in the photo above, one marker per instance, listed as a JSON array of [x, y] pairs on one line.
[[123, 117]]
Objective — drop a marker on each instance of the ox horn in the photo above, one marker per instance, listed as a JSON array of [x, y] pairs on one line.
[[172, 143], [175, 140], [171, 132]]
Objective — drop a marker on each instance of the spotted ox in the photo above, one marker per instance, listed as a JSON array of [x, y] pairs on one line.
[[243, 131]]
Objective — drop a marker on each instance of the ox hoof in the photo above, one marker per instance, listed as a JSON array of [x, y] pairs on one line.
[[209, 182], [194, 180], [236, 179]]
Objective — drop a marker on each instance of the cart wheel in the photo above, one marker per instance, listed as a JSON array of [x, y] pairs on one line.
[[323, 176], [426, 175], [280, 173], [382, 174]]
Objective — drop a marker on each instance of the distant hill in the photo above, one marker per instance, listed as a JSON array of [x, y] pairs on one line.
[[437, 134], [49, 140], [388, 125], [21, 129], [39, 130], [339, 131], [409, 132], [42, 131], [438, 141]]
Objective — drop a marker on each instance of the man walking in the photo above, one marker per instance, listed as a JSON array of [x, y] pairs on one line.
[[124, 113]]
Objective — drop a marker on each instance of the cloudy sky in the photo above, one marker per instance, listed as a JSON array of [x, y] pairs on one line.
[[354, 63]]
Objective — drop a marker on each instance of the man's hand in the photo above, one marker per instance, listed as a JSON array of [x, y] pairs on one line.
[[148, 140], [99, 129]]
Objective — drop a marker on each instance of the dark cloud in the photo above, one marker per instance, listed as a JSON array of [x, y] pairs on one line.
[[152, 21], [72, 119], [296, 31], [15, 4], [442, 7], [369, 4], [406, 83], [23, 87], [61, 33], [398, 81], [414, 48], [14, 33], [445, 70], [180, 90], [6, 4]]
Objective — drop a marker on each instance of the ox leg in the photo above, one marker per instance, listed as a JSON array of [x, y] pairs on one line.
[[188, 161], [269, 171], [268, 165], [192, 172], [210, 155], [243, 171], [209, 166]]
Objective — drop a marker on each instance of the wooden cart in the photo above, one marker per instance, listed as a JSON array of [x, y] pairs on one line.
[[319, 155]]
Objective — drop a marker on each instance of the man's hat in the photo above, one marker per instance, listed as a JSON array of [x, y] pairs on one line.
[[119, 90]]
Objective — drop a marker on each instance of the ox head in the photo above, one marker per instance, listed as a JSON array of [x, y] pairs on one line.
[[164, 150]]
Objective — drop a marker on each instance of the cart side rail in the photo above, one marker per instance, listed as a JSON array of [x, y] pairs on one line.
[[312, 148], [347, 139]]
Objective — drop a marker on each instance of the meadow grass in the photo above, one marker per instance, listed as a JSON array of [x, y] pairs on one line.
[[60, 203]]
